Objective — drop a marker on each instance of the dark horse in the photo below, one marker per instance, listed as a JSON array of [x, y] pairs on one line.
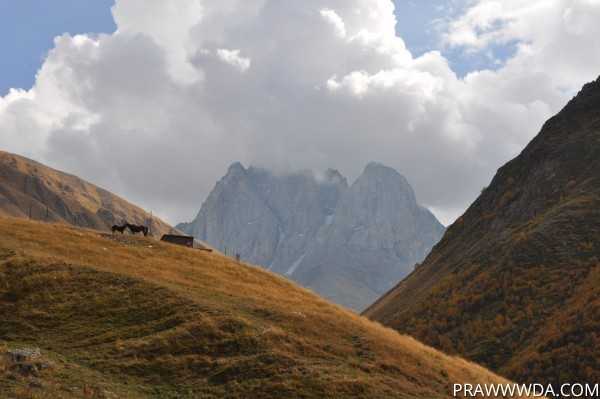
[[137, 229], [118, 228]]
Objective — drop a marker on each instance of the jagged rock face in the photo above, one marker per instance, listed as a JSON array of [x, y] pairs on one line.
[[376, 236], [380, 211], [237, 219], [350, 244], [515, 282], [269, 220]]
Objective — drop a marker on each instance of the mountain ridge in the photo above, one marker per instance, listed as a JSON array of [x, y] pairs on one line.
[[516, 267], [349, 243], [30, 189]]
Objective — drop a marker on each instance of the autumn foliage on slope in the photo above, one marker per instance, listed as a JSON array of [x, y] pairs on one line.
[[515, 282]]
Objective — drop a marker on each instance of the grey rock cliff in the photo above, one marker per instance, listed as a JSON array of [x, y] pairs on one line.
[[349, 244], [377, 235]]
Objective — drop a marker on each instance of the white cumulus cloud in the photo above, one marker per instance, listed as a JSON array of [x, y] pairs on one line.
[[157, 110], [233, 58], [335, 20]]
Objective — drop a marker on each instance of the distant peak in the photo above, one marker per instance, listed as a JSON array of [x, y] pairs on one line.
[[235, 168], [332, 172], [333, 175], [379, 169]]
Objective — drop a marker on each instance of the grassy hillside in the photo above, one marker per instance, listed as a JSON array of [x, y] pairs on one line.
[[515, 282], [139, 318], [30, 189]]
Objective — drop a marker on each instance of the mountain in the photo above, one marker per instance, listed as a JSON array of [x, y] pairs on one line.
[[29, 189], [515, 282], [130, 317], [269, 220], [349, 244], [376, 235]]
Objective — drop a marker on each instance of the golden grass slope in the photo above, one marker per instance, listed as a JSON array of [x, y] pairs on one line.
[[148, 319], [30, 188]]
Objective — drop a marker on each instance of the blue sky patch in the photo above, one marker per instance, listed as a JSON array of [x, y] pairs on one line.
[[29, 26]]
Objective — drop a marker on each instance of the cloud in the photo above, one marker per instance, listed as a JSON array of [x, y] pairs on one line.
[[553, 37], [157, 110], [335, 20], [233, 58]]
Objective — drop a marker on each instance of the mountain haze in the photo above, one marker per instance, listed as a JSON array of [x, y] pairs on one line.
[[348, 243], [515, 282], [29, 189]]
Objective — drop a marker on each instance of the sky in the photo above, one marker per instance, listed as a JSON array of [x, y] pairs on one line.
[[153, 99], [28, 29], [29, 46]]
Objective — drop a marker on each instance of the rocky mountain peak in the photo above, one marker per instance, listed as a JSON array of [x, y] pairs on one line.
[[236, 169], [350, 244], [384, 184], [375, 170], [378, 167], [333, 176]]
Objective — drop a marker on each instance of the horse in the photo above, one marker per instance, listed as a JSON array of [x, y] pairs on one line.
[[118, 228], [137, 229]]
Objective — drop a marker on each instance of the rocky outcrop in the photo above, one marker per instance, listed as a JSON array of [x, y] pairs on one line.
[[349, 244]]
